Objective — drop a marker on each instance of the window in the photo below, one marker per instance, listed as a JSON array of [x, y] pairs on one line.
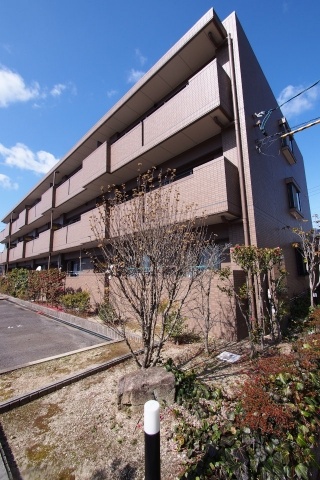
[[294, 197], [300, 262]]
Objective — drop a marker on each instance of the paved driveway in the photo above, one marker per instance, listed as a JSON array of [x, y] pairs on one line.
[[26, 336]]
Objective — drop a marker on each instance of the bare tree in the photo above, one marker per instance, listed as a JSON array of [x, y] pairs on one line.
[[309, 247], [149, 247], [204, 313]]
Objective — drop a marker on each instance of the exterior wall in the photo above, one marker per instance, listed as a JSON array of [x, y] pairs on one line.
[[269, 215], [90, 282]]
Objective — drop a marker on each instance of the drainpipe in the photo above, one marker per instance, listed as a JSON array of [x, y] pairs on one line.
[[243, 196]]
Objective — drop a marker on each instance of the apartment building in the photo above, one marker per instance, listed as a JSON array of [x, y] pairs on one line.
[[195, 110]]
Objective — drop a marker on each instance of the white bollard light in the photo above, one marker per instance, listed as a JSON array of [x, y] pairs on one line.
[[152, 440]]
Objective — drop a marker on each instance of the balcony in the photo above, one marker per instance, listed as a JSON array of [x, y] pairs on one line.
[[4, 233], [39, 245], [93, 167], [75, 235], [16, 253], [214, 187], [183, 121], [3, 257], [38, 210], [19, 222], [210, 190]]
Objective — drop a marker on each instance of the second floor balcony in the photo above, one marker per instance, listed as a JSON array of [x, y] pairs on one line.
[[38, 246], [4, 234], [75, 235], [16, 253]]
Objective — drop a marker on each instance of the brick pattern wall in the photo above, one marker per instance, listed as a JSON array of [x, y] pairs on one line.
[[78, 233], [37, 210], [19, 222], [38, 245], [4, 233], [202, 95], [268, 210], [16, 253]]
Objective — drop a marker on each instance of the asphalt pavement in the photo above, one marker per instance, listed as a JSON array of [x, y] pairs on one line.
[[27, 336]]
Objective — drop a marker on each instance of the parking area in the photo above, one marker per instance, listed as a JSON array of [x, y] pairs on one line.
[[26, 336]]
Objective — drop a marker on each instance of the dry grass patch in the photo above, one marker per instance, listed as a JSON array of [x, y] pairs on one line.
[[22, 381]]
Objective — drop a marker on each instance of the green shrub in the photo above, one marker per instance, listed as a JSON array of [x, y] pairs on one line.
[[271, 431], [175, 323], [77, 301], [16, 283]]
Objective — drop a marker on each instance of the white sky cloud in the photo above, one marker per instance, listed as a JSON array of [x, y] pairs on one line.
[[134, 75], [140, 57], [20, 156], [111, 93], [13, 88], [57, 89], [301, 104], [7, 183]]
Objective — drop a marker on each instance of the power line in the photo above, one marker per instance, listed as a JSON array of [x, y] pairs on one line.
[[267, 113], [297, 95]]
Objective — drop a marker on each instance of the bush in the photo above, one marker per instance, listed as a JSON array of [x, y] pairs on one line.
[[16, 283], [77, 301], [271, 430]]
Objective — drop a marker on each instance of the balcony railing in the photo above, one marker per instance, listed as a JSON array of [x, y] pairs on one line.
[[213, 188], [3, 257], [208, 91], [39, 245], [16, 253], [19, 222], [4, 233], [41, 207], [92, 167], [76, 234]]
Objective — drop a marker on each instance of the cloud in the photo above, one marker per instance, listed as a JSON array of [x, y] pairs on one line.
[[305, 101], [13, 88], [141, 58], [111, 93], [57, 89], [20, 156], [6, 183], [134, 75]]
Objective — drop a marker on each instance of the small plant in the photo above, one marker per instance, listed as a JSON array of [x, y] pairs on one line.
[[175, 323], [271, 431], [77, 301]]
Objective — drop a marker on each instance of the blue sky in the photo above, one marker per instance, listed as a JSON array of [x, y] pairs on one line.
[[64, 63]]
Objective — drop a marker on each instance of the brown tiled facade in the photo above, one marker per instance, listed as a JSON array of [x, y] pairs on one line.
[[194, 111]]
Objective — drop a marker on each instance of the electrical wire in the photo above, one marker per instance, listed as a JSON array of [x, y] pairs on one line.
[[266, 114], [297, 95]]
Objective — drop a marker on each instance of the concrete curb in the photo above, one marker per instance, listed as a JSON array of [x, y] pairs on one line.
[[53, 387]]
